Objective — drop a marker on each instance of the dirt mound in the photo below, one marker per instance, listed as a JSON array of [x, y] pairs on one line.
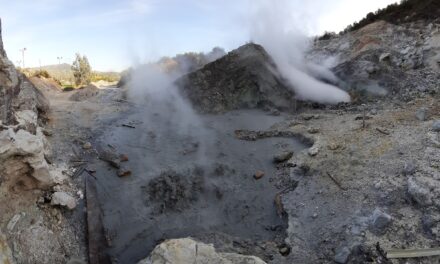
[[45, 85], [175, 191], [84, 93], [244, 78]]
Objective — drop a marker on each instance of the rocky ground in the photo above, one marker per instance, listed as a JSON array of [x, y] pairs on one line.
[[359, 180]]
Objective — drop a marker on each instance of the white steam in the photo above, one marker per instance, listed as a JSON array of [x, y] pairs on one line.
[[273, 29], [165, 112]]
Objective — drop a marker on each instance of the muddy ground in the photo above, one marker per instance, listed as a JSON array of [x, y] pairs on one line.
[[202, 184]]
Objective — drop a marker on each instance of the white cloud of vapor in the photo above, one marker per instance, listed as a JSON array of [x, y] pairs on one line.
[[272, 27]]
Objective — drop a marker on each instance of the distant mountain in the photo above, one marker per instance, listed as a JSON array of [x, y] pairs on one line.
[[62, 72]]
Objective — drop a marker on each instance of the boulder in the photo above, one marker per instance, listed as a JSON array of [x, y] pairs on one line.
[[63, 199], [244, 78], [187, 250]]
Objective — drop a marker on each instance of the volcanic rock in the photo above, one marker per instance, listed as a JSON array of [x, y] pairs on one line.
[[244, 78], [186, 250], [282, 157]]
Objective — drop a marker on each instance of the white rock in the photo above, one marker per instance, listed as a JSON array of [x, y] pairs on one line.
[[31, 150], [313, 151], [186, 250], [63, 199], [14, 220]]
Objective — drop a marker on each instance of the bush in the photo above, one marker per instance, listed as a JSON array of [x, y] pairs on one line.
[[82, 72], [41, 73], [406, 11]]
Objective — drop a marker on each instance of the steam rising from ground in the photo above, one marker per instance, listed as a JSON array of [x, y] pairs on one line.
[[166, 112], [273, 29]]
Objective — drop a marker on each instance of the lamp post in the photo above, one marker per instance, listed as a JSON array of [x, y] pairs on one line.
[[22, 55]]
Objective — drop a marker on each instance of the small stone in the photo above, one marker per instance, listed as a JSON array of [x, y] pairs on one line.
[[436, 126], [333, 146], [87, 145], [373, 111], [124, 172], [342, 255], [422, 114], [282, 157], [123, 158], [385, 57], [111, 158], [284, 251], [307, 117], [313, 151], [14, 220], [63, 199], [380, 220], [418, 193], [258, 175], [409, 168], [315, 215], [313, 130], [47, 132]]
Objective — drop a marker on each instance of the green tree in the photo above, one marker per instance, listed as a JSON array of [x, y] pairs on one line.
[[82, 72]]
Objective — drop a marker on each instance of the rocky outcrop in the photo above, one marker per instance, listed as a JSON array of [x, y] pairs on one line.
[[22, 143], [385, 60], [244, 78], [186, 250]]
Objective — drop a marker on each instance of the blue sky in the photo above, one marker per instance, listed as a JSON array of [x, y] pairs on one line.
[[115, 34]]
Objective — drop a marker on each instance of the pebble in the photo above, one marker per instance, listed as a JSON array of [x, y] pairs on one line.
[[342, 255], [87, 145], [284, 156], [436, 126], [123, 158], [422, 114], [258, 175], [284, 251], [313, 130], [313, 151], [409, 168], [380, 220], [124, 172], [13, 222]]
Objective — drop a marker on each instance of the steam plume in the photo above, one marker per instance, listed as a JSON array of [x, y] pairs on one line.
[[272, 28]]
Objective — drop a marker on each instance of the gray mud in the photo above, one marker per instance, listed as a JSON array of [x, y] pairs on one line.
[[200, 185]]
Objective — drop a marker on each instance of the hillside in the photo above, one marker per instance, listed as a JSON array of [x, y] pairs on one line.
[[63, 72], [406, 11]]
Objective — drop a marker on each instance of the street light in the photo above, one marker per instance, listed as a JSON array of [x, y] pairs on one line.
[[22, 55], [59, 60]]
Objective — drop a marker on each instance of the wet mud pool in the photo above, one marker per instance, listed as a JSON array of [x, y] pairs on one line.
[[197, 182]]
